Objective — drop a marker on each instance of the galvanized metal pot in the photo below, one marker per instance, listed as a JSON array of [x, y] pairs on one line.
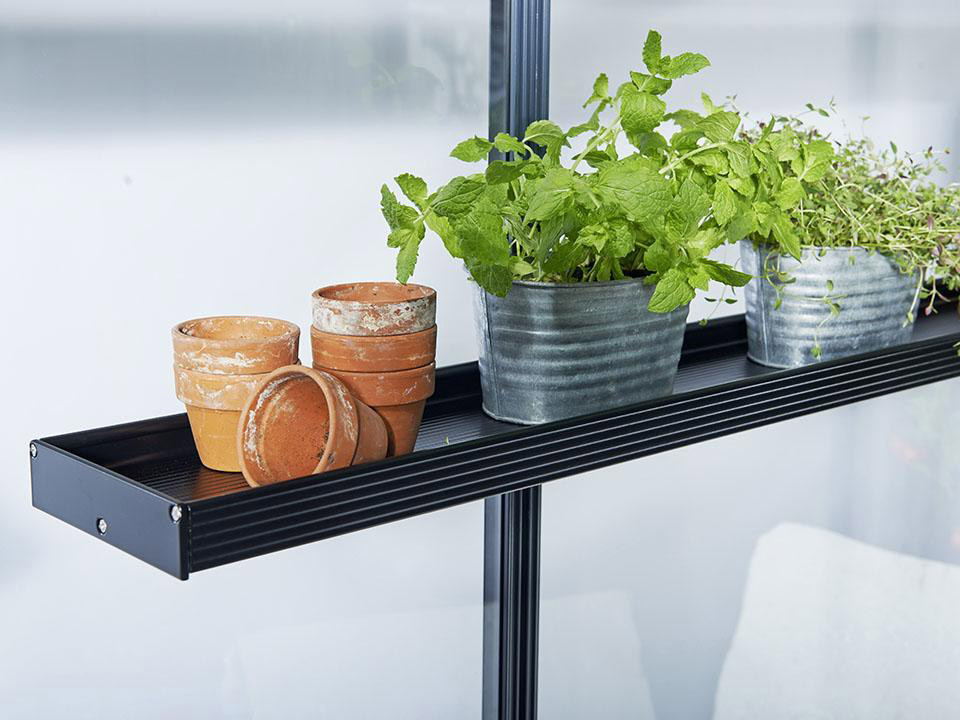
[[550, 351], [874, 303]]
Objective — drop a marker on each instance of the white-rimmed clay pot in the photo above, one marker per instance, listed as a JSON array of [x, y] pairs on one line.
[[300, 422], [218, 362], [372, 308]]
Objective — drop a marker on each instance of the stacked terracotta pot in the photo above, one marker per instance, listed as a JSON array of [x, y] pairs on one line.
[[218, 362], [380, 340]]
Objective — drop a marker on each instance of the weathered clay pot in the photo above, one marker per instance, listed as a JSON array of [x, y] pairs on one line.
[[398, 397], [218, 362], [374, 353], [235, 344], [371, 308], [301, 422]]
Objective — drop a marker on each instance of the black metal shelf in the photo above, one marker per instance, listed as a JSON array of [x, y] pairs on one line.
[[145, 481]]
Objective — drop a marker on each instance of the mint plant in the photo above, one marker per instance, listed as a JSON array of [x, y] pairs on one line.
[[551, 213]]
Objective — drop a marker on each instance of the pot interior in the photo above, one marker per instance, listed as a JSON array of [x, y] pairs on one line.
[[239, 327], [369, 292]]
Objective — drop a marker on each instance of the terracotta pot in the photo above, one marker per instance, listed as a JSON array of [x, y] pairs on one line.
[[398, 397], [301, 422], [375, 353], [218, 362], [213, 408], [374, 309], [235, 344]]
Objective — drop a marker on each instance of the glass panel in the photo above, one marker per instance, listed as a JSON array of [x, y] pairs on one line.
[[198, 158], [809, 568]]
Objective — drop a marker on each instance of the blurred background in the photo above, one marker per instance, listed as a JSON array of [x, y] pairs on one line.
[[209, 157]]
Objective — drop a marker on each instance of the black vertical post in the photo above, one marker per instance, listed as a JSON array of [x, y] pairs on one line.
[[519, 83]]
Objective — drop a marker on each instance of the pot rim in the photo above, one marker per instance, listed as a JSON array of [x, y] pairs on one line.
[[547, 285], [429, 295], [326, 382], [290, 330], [827, 249]]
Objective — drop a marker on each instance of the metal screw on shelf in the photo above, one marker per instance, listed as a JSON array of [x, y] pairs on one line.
[[175, 514], [101, 526], [33, 450]]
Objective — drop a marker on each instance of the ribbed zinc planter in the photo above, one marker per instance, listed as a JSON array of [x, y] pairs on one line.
[[550, 351], [874, 297]]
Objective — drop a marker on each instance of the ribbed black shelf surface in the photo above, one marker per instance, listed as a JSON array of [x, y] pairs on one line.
[[461, 453]]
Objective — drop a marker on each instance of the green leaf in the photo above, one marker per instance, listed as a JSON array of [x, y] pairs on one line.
[[817, 157], [684, 64], [698, 277], [721, 272], [472, 150], [408, 241], [650, 83], [442, 227], [766, 217], [495, 279], [743, 225], [640, 112], [597, 158], [708, 104], [414, 188], [651, 144], [671, 292], [601, 90], [660, 257], [724, 203], [790, 194], [551, 195], [652, 52], [704, 242], [785, 236], [396, 214], [457, 196], [564, 258], [742, 185], [738, 155], [720, 126], [685, 119], [641, 191], [508, 143], [502, 171], [548, 135], [713, 161]]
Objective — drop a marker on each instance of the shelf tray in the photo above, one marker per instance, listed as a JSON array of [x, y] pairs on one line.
[[145, 482]]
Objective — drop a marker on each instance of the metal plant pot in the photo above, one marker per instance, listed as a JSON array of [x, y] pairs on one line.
[[550, 351], [834, 303]]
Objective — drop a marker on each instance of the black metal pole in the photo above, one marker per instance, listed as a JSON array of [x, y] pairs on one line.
[[519, 84]]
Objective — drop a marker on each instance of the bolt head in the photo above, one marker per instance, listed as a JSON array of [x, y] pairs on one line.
[[175, 514], [33, 450], [101, 526]]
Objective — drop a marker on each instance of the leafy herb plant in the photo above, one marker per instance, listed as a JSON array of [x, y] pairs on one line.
[[854, 194], [550, 212]]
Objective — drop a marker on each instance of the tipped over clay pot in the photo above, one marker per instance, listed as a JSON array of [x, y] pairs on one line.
[[373, 353], [398, 397], [218, 363], [374, 308], [301, 422]]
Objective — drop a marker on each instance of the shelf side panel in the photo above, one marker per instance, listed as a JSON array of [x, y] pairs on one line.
[[135, 520]]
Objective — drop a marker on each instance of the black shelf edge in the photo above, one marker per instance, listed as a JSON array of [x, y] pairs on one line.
[[134, 474]]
